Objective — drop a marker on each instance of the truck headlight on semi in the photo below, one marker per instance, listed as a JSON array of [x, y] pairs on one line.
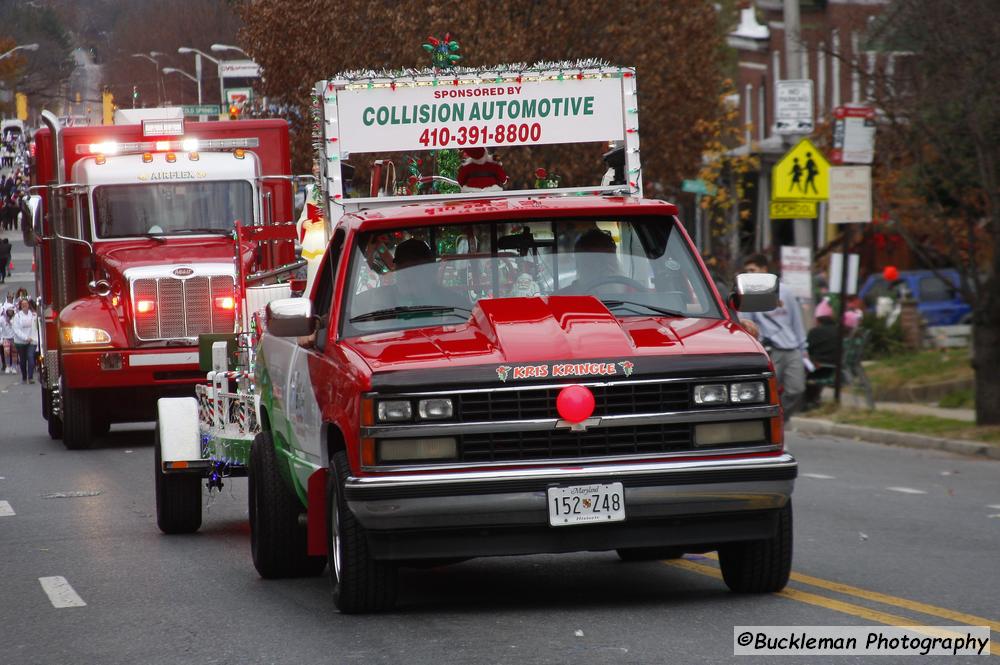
[[747, 393], [394, 410], [75, 335], [406, 450]]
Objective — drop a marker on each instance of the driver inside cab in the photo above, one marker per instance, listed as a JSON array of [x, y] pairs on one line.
[[597, 266]]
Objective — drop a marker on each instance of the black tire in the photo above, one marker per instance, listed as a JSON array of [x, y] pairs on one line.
[[46, 400], [178, 497], [360, 583], [277, 540], [760, 566], [631, 554], [55, 427], [78, 421]]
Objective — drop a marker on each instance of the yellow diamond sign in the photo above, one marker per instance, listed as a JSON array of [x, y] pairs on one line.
[[803, 174]]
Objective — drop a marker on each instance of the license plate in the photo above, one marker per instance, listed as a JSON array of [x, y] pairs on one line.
[[586, 504]]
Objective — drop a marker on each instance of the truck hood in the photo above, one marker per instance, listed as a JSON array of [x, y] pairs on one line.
[[117, 257], [561, 330]]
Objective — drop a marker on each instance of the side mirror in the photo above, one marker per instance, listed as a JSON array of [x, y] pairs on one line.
[[755, 292], [31, 220], [290, 317], [99, 287]]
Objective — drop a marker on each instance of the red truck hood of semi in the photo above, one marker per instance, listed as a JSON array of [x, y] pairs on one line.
[[117, 257], [539, 331]]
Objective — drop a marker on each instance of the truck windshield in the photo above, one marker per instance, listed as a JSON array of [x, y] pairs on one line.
[[433, 275], [170, 208]]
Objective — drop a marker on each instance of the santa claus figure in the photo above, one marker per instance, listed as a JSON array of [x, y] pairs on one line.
[[479, 173]]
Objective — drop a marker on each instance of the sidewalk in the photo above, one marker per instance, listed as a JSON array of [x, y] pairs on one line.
[[807, 424]]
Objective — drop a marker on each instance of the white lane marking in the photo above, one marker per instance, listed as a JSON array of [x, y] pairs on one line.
[[5, 509], [905, 490], [994, 506], [60, 592], [819, 476]]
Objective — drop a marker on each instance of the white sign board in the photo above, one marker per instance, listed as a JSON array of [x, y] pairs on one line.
[[850, 195], [796, 270], [477, 114], [837, 265], [239, 69], [854, 135], [793, 106]]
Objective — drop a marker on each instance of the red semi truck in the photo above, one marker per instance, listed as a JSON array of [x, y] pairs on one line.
[[132, 227]]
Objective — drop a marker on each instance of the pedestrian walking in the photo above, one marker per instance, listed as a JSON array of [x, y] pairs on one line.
[[25, 340], [5, 250], [7, 340], [781, 331]]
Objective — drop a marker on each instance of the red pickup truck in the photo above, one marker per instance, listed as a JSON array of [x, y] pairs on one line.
[[513, 376]]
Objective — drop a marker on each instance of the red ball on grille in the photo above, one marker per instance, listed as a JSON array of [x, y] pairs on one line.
[[575, 403]]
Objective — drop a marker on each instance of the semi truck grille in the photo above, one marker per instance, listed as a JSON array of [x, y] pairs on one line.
[[614, 399], [563, 444], [170, 308]]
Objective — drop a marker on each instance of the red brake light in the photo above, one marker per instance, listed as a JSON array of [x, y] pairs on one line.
[[225, 302], [145, 306]]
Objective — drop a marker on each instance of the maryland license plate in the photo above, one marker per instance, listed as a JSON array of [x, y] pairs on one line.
[[586, 504]]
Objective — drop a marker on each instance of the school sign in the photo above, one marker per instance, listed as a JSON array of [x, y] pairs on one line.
[[803, 174]]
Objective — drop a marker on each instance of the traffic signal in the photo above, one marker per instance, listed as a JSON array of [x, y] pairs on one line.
[[234, 112], [107, 107], [22, 106]]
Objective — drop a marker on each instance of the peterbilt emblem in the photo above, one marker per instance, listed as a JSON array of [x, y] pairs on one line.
[[183, 272]]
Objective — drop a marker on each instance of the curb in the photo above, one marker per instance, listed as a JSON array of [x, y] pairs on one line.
[[892, 438]]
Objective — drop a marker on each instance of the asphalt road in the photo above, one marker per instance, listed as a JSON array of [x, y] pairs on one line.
[[913, 535]]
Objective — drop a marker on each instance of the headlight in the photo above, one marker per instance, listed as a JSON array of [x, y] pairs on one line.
[[715, 393], [747, 392], [398, 450], [395, 410], [435, 409], [745, 431], [74, 335]]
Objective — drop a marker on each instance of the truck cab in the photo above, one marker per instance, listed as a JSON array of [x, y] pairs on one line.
[[512, 372], [134, 243]]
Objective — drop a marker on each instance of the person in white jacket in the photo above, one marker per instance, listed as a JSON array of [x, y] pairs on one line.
[[25, 339], [7, 340]]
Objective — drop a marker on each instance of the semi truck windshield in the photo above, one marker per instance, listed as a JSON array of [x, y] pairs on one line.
[[171, 208]]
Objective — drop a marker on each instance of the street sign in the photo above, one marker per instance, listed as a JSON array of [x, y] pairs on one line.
[[796, 270], [793, 106], [793, 210], [698, 187], [850, 194], [802, 174], [853, 135], [239, 69], [201, 109]]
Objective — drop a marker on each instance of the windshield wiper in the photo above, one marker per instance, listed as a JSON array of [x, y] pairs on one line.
[[395, 312], [202, 230], [631, 303]]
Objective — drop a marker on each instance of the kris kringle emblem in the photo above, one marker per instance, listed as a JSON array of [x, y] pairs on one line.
[[503, 371]]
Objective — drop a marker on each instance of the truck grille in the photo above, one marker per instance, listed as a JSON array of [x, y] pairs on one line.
[[614, 399], [563, 444], [182, 307]]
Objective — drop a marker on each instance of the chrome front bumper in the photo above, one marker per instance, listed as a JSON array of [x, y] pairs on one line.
[[506, 512]]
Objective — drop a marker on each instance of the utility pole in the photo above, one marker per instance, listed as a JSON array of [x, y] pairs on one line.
[[793, 68]]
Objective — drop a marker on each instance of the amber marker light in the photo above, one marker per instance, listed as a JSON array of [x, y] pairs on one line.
[[367, 412], [368, 452]]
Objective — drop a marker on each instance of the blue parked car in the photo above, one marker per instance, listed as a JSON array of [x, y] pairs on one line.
[[938, 300]]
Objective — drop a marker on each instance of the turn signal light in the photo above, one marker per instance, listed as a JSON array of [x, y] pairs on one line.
[[225, 302], [145, 306]]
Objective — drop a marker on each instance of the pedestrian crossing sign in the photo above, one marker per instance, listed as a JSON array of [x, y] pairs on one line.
[[803, 174]]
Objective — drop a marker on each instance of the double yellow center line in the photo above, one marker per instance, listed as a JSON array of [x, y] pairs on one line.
[[859, 611]]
